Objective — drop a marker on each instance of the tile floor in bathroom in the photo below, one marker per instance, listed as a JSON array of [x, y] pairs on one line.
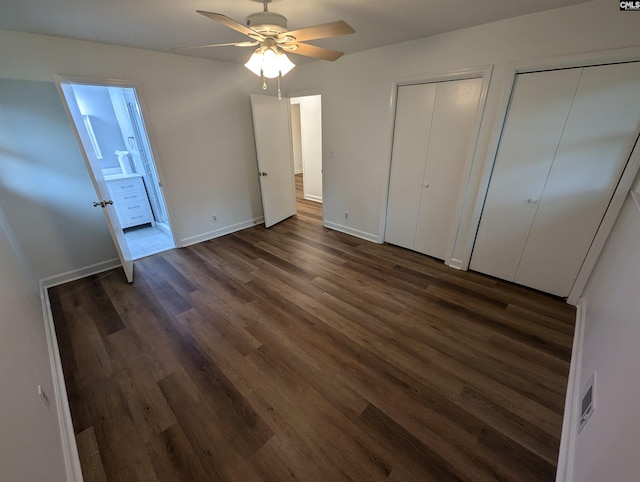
[[147, 240]]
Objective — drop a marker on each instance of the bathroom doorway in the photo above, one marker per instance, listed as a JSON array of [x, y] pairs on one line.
[[121, 160]]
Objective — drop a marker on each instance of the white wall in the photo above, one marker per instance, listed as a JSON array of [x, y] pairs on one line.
[[45, 190], [199, 122], [30, 445], [296, 137], [357, 95], [607, 447]]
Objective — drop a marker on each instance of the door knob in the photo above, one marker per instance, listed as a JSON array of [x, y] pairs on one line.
[[532, 200], [264, 174], [102, 204]]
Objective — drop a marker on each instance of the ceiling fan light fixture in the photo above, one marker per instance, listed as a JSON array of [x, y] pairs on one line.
[[270, 67], [284, 64], [254, 64], [270, 63]]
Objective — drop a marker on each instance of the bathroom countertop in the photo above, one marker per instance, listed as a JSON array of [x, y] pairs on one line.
[[114, 177]]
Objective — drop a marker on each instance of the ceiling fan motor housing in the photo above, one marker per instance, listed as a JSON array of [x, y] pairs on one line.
[[267, 23]]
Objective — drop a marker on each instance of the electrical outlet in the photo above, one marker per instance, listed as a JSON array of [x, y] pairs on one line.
[[346, 214], [43, 395], [214, 218]]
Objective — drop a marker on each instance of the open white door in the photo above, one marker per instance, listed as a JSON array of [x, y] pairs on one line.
[[82, 129], [272, 131]]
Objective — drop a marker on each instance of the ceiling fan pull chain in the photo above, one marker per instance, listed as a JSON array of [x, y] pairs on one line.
[[279, 93], [264, 82]]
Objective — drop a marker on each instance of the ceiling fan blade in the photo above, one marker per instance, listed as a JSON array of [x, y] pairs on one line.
[[312, 51], [232, 24], [235, 44], [332, 29]]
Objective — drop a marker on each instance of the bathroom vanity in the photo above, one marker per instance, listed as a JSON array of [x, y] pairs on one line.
[[130, 199]]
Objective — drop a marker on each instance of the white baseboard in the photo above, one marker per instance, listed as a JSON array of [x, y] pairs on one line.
[[79, 273], [572, 401], [309, 197], [353, 232], [455, 264], [67, 435], [220, 232]]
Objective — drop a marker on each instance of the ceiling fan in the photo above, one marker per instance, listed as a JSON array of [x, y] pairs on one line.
[[268, 32]]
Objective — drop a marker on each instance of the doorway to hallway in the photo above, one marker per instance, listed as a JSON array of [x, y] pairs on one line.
[[306, 130]]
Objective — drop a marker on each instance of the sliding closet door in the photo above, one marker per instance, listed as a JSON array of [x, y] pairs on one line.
[[538, 110], [597, 140], [414, 112], [452, 129]]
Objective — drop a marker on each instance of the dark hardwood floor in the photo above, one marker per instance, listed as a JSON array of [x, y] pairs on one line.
[[300, 353]]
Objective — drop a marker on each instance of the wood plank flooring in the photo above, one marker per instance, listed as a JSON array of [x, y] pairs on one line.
[[300, 353]]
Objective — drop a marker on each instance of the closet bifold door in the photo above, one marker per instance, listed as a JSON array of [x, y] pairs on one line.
[[452, 126], [414, 112], [566, 141], [433, 129], [600, 133], [539, 108]]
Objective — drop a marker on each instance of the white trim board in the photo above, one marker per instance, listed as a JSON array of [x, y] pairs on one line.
[[353, 232], [199, 238], [309, 197], [79, 273], [67, 435], [570, 420]]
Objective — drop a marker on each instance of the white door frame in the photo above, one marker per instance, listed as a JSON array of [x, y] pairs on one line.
[[481, 72], [624, 186], [304, 129]]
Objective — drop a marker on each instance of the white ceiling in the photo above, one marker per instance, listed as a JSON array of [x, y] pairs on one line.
[[163, 24]]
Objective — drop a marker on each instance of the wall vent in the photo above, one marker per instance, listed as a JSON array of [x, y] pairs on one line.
[[587, 406]]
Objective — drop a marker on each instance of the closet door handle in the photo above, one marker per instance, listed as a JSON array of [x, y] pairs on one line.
[[533, 200]]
